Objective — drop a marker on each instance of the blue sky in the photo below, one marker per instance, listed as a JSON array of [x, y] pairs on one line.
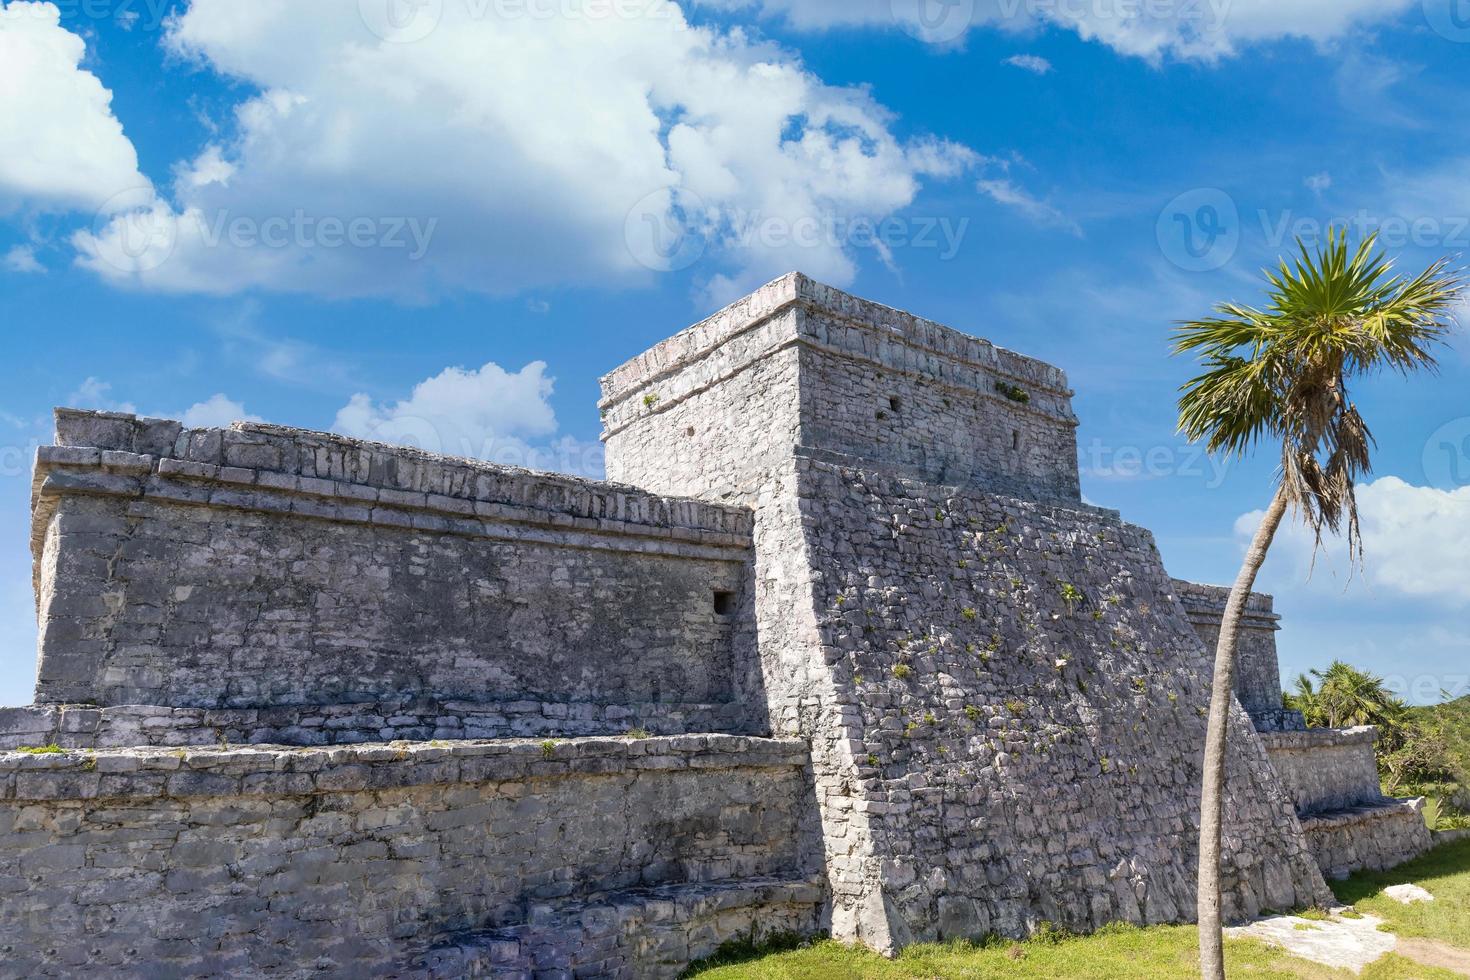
[[440, 220]]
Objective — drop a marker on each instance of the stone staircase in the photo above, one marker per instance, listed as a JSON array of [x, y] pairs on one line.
[[633, 934]]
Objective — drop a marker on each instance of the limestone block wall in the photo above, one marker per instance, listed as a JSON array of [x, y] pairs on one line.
[[1372, 837], [1326, 768], [1024, 702], [355, 861], [120, 726], [1257, 670], [799, 367], [1003, 697], [258, 567]]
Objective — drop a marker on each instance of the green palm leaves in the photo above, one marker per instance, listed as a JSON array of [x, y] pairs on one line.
[[1281, 373]]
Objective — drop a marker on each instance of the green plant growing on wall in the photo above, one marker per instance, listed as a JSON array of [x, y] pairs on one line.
[[902, 671], [548, 748], [1071, 595], [972, 712], [52, 749], [650, 399], [969, 613], [1014, 392]]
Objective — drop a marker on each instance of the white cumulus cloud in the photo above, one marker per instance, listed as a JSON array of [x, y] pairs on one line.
[[215, 412], [61, 147], [487, 413], [96, 394], [476, 149], [1188, 29], [1416, 541], [22, 258]]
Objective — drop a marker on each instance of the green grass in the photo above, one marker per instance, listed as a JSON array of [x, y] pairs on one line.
[[1444, 872], [1121, 952], [1116, 952], [41, 749]]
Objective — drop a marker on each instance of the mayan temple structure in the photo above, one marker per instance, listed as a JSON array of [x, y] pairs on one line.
[[839, 648]]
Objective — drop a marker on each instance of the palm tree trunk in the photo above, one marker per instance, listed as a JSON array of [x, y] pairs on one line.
[[1211, 939]]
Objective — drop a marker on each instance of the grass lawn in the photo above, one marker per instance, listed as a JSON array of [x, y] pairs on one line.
[[1444, 872], [1114, 953], [1122, 952]]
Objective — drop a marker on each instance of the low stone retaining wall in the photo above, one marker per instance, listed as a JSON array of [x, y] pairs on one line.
[[350, 861], [641, 935], [1373, 837], [1326, 769]]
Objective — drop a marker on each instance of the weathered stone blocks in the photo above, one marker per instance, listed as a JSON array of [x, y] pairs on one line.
[[344, 862]]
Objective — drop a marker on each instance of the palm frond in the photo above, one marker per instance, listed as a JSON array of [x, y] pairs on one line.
[[1281, 372]]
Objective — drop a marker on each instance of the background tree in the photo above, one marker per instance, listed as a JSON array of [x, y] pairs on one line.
[[1280, 375], [1347, 697]]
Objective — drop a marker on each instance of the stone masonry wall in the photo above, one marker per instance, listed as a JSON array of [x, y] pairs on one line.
[[1026, 701], [350, 862], [800, 367], [1373, 837], [1326, 769], [988, 749], [1257, 670], [261, 568]]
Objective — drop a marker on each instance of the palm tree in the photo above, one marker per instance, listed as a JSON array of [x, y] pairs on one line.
[[1351, 697], [1280, 375], [1308, 701]]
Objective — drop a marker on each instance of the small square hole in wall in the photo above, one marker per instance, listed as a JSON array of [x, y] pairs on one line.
[[689, 431], [1016, 439], [724, 603], [894, 403]]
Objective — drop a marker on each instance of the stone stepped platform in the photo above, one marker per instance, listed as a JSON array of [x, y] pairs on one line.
[[631, 935], [350, 861], [81, 726], [1374, 835]]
